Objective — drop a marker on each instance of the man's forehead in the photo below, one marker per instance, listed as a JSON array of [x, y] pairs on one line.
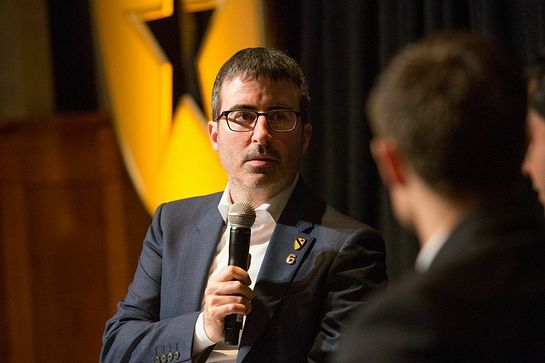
[[282, 87]]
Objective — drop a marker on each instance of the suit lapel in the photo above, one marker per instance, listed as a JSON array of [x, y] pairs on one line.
[[282, 259], [197, 254], [275, 276], [279, 269]]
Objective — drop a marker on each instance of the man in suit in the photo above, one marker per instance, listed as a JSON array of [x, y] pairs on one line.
[[310, 265], [448, 116]]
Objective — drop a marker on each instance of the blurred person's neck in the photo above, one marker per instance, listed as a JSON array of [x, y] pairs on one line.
[[433, 213]]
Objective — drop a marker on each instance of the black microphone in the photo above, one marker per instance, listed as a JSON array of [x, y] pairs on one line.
[[241, 216]]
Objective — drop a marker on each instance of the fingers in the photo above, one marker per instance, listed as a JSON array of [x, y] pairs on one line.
[[227, 292], [214, 315], [230, 273], [229, 288], [218, 307]]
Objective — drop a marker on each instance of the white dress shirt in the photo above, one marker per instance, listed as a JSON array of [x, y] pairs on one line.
[[429, 251], [267, 215]]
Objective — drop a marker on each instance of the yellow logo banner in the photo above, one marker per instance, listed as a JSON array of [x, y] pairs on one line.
[[168, 155]]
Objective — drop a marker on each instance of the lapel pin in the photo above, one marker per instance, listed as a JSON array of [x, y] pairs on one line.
[[298, 243], [290, 260]]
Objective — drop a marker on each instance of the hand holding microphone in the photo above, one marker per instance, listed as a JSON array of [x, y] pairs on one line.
[[228, 292], [241, 217]]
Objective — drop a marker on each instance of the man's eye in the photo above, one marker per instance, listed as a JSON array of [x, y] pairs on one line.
[[277, 116], [242, 116]]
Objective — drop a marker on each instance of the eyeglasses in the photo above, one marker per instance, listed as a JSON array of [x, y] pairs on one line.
[[245, 120]]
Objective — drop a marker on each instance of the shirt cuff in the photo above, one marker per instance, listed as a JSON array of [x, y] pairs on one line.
[[200, 339]]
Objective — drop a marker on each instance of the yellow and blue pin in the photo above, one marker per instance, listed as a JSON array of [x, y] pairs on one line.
[[298, 243]]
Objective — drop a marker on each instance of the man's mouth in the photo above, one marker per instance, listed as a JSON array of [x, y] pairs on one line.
[[263, 157], [260, 160]]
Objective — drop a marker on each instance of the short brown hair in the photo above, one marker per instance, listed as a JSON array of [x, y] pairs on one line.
[[535, 74], [455, 106], [252, 63]]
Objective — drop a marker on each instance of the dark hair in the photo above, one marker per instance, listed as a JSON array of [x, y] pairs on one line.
[[455, 106], [535, 74], [252, 63], [537, 98], [536, 68]]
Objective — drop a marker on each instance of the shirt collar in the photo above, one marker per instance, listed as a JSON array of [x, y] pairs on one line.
[[275, 206], [429, 250]]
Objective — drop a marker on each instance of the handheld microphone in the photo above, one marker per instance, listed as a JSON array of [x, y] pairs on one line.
[[241, 217]]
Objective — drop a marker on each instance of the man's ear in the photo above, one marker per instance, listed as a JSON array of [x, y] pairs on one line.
[[390, 164], [307, 135], [213, 134]]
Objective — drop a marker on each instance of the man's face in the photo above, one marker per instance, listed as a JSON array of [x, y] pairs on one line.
[[261, 157], [534, 161]]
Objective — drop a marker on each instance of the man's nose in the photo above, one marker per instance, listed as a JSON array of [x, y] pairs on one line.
[[261, 131]]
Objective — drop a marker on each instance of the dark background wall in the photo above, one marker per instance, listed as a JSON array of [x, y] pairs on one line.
[[341, 45], [71, 225]]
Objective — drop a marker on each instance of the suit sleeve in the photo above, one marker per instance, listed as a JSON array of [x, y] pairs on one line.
[[136, 333], [358, 270]]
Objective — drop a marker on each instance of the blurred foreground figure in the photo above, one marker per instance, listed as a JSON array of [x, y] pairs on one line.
[[449, 120], [534, 161]]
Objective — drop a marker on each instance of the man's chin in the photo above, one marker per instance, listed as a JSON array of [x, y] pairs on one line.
[[264, 180]]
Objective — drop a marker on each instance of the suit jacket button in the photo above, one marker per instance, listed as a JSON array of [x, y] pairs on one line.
[[164, 358], [157, 359], [176, 355], [169, 356]]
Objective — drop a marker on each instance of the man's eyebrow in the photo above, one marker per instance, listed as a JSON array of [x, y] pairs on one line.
[[242, 107], [254, 108]]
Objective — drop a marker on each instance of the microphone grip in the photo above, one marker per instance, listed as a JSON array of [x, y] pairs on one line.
[[239, 245]]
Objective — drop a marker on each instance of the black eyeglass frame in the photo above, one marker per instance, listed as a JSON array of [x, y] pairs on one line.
[[226, 114]]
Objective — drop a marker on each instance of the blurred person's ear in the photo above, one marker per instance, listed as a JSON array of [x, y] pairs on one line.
[[389, 162]]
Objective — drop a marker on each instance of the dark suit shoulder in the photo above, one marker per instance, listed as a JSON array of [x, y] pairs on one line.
[[487, 305], [332, 218], [177, 217], [198, 202], [304, 204], [194, 206]]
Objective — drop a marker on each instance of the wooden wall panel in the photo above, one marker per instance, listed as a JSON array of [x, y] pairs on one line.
[[71, 228]]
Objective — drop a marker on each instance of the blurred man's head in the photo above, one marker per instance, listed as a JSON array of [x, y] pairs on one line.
[[451, 111], [534, 161], [535, 71]]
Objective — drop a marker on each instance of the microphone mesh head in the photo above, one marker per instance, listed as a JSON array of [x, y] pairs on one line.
[[241, 214]]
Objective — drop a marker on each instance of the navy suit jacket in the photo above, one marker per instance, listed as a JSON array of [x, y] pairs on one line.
[[299, 309], [482, 299]]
